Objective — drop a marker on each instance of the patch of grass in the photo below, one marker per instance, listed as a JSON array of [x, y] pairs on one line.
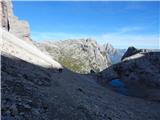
[[72, 64]]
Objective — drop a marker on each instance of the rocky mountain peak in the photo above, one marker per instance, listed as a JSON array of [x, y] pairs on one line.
[[108, 48], [79, 55]]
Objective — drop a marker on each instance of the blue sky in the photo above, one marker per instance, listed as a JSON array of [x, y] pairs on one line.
[[122, 24]]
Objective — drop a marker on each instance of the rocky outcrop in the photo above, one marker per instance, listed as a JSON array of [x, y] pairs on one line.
[[132, 51], [11, 23], [81, 55], [108, 48], [139, 72], [139, 68]]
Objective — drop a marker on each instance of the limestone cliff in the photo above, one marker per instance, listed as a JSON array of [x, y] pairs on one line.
[[11, 23], [81, 55]]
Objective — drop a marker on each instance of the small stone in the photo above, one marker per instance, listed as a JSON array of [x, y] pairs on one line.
[[14, 109], [21, 113], [35, 111], [27, 106], [40, 82], [8, 112]]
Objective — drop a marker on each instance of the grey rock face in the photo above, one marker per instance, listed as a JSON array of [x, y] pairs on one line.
[[81, 55], [142, 68], [11, 23], [20, 98], [140, 72], [108, 48], [132, 51], [138, 66], [114, 54]]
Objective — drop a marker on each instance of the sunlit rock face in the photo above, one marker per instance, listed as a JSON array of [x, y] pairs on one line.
[[133, 51], [11, 23], [28, 52], [16, 38], [82, 55]]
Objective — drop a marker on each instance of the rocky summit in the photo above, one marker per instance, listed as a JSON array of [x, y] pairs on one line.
[[82, 55]]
